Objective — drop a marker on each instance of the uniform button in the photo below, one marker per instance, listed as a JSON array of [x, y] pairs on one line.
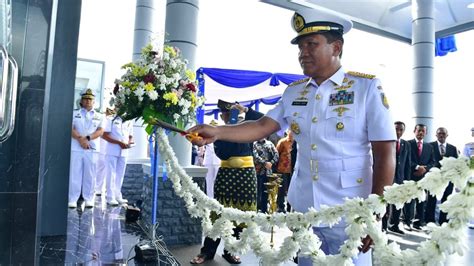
[[295, 113], [315, 119], [360, 180], [315, 177], [318, 97], [314, 146]]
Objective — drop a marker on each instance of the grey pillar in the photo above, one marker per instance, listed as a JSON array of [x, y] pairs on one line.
[[144, 33], [181, 32], [57, 118], [423, 43]]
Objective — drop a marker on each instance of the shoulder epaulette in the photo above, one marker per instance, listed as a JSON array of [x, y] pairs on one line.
[[298, 82], [361, 75]]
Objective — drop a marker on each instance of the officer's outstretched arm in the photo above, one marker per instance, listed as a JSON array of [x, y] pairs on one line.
[[245, 132], [384, 165]]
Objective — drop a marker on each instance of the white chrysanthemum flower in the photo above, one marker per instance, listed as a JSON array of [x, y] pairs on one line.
[[173, 64], [126, 91], [162, 79], [176, 117], [166, 56], [153, 95], [139, 92]]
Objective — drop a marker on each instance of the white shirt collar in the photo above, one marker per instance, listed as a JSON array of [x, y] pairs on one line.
[[337, 78]]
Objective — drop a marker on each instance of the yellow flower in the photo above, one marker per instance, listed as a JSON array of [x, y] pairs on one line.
[[170, 50], [149, 87], [193, 100], [126, 84], [138, 71], [147, 49], [171, 97], [191, 75]]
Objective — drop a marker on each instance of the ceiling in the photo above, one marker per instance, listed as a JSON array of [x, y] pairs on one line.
[[392, 18]]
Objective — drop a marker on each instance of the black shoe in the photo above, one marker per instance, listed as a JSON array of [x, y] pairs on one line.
[[407, 227], [397, 230], [417, 226]]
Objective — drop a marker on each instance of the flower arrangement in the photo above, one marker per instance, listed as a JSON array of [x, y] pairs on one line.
[[358, 212], [158, 87]]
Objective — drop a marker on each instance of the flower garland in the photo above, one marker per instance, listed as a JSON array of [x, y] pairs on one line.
[[358, 213]]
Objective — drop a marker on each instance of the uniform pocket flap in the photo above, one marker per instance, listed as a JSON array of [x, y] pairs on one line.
[[355, 178]]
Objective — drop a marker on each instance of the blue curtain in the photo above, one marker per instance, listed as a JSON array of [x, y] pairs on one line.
[[445, 45], [240, 79], [236, 78]]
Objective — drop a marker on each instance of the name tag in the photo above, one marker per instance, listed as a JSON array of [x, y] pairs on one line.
[[299, 103]]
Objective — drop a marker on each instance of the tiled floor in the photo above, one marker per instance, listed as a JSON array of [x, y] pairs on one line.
[[101, 236]]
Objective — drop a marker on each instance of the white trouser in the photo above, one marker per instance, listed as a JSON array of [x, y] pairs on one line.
[[101, 174], [116, 172], [210, 179], [332, 239], [82, 175]]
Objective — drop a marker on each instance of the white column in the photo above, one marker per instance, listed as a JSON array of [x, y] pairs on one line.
[[181, 32], [145, 31], [423, 43]]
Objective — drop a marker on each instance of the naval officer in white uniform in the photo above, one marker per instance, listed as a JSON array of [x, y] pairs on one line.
[[87, 127], [118, 135], [341, 122]]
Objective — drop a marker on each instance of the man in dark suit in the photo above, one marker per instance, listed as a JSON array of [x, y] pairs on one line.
[[422, 159], [441, 149], [402, 172]]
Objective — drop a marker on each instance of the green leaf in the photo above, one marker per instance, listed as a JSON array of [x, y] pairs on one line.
[[149, 129]]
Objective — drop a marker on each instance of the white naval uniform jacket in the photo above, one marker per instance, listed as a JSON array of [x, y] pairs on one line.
[[121, 131], [86, 123], [333, 163]]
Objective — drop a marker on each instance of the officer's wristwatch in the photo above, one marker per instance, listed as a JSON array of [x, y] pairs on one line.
[[88, 138]]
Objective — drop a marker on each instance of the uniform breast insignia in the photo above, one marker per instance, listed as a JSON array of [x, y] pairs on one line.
[[341, 98], [340, 110], [339, 126], [361, 75], [77, 116], [298, 82], [384, 100], [295, 128], [380, 88]]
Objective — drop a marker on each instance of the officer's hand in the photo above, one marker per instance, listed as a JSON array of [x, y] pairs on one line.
[[238, 106], [124, 145], [84, 143], [268, 165], [207, 134], [367, 242]]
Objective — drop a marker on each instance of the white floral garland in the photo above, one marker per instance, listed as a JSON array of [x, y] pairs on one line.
[[445, 239]]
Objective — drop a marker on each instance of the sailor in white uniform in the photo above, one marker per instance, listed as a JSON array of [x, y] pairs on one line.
[[118, 135], [87, 127], [341, 122], [101, 165]]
